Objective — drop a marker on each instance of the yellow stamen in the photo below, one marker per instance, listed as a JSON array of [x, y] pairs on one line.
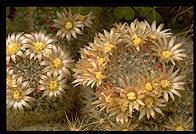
[[148, 86], [75, 129], [148, 101], [82, 18], [136, 40], [166, 54], [17, 95], [109, 47], [8, 81], [68, 25], [99, 75], [57, 63], [124, 129], [165, 83], [100, 60], [153, 36], [13, 48], [53, 85], [39, 46], [131, 96], [180, 128], [108, 98]]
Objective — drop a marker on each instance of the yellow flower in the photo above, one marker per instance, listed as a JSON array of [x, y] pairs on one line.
[[131, 96], [148, 86], [108, 98], [13, 48], [153, 36], [68, 25], [180, 128], [57, 63], [166, 54], [8, 81], [165, 83], [53, 85], [136, 40], [39, 46], [99, 75], [82, 18], [101, 60], [17, 95], [109, 47]]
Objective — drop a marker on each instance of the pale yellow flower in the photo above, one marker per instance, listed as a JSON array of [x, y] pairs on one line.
[[87, 19], [57, 62], [15, 43], [38, 44], [52, 84], [136, 34], [152, 103], [9, 77], [179, 124], [18, 95], [131, 95], [167, 51], [156, 32], [68, 24], [169, 82], [88, 73]]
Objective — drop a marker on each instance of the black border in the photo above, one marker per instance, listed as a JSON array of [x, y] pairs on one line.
[[109, 3]]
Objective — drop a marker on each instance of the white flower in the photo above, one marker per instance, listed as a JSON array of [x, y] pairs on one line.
[[68, 25], [38, 44], [52, 84], [17, 95], [57, 62], [15, 42]]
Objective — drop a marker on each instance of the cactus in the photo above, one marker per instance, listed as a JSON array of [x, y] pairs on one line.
[[146, 80], [128, 78]]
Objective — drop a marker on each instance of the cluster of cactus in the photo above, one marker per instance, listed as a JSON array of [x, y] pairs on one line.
[[125, 75], [134, 70]]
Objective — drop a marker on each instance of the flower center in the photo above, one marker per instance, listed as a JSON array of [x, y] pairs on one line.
[[53, 85], [131, 96], [39, 46], [17, 95], [99, 75], [13, 48], [75, 129], [68, 25], [100, 60], [109, 47], [136, 40], [148, 86], [165, 83], [153, 36], [57, 63], [8, 80], [124, 129], [180, 128], [108, 98], [148, 101], [82, 18], [166, 54]]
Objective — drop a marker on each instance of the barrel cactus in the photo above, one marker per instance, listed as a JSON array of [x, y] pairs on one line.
[[134, 69], [38, 69]]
